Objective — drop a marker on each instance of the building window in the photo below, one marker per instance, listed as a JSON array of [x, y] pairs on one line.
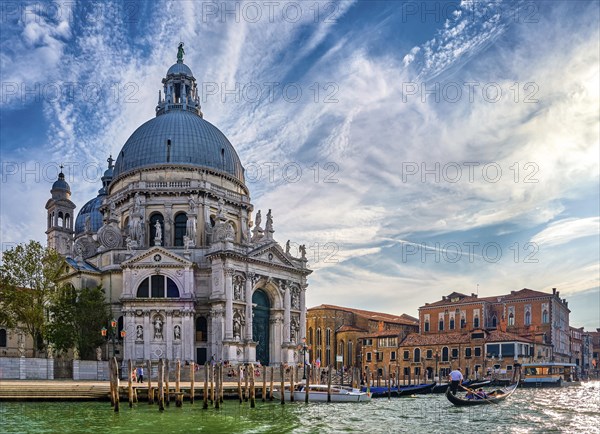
[[406, 354], [350, 355], [441, 325], [3, 338], [406, 371], [426, 326], [201, 329], [477, 351], [476, 322], [157, 286], [153, 219], [328, 337], [417, 370], [468, 352], [328, 346], [393, 356], [455, 353], [545, 316], [180, 226], [494, 321], [451, 323], [527, 318], [463, 322], [493, 350], [511, 319], [429, 354], [341, 350], [379, 356], [445, 357], [319, 343], [417, 355], [369, 357]]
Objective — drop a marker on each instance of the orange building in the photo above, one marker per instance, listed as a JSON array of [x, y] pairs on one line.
[[540, 317], [335, 332]]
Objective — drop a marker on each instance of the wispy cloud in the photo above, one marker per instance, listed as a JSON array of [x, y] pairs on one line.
[[566, 230]]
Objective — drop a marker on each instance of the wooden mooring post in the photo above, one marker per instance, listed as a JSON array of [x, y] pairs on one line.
[[166, 380], [205, 391], [389, 382], [222, 377], [218, 387], [240, 395], [329, 383], [282, 390], [212, 384], [307, 385], [130, 382], [150, 388], [272, 370], [252, 389], [161, 392], [246, 382], [192, 381], [292, 383], [264, 385]]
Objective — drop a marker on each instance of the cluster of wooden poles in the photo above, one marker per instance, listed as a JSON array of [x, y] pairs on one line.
[[214, 379]]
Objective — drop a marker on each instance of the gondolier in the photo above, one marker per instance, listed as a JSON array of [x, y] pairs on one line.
[[456, 378]]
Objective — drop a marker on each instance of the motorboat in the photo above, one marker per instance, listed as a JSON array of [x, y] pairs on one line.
[[318, 393]]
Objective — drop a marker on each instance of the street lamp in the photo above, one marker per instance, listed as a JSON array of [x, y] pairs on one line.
[[111, 334], [304, 348]]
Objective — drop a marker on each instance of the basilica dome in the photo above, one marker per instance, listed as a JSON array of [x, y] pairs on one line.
[[179, 135], [91, 209], [182, 138]]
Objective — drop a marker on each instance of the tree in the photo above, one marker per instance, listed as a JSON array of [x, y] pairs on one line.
[[77, 316], [29, 276]]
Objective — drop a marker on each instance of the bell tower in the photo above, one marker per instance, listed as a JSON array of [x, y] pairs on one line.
[[60, 216]]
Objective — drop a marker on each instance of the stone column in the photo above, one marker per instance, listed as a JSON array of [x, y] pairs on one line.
[[168, 334], [303, 311], [249, 284], [229, 304], [286, 313], [129, 341], [147, 332]]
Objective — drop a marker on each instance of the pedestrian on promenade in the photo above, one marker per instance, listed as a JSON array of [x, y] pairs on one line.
[[140, 374]]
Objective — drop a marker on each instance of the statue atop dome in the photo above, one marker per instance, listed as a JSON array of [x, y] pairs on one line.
[[180, 53]]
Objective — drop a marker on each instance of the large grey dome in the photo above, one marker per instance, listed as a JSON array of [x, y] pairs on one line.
[[180, 68], [179, 137]]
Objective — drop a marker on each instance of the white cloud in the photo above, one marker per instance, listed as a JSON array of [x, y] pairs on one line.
[[566, 230]]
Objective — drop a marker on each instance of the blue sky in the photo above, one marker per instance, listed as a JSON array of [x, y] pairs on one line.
[[416, 148]]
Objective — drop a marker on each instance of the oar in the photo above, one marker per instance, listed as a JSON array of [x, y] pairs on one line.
[[474, 392]]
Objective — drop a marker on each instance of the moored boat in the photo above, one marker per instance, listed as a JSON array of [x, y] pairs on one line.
[[318, 393], [482, 398], [382, 392], [549, 374]]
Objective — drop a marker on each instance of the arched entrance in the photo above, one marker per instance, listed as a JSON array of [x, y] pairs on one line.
[[260, 325]]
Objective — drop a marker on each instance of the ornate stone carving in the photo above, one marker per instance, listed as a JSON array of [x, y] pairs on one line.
[[157, 234], [257, 232], [98, 353], [84, 248], [269, 226], [295, 298], [177, 333], [294, 329], [110, 237]]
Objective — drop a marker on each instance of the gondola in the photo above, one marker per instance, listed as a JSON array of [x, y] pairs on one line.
[[382, 392], [494, 398]]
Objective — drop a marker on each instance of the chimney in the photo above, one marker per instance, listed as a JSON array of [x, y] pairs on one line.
[[443, 297], [473, 295], [513, 292], [553, 291]]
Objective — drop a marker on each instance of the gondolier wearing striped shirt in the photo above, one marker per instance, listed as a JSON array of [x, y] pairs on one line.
[[456, 378]]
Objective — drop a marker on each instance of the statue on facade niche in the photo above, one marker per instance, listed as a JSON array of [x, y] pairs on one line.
[[158, 233], [158, 327], [192, 205], [237, 326], [287, 247], [269, 226], [98, 353], [139, 333], [177, 332]]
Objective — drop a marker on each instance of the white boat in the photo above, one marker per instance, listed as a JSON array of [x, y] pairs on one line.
[[318, 393], [549, 374]]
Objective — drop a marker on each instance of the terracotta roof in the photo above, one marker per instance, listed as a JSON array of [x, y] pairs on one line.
[[376, 316], [350, 328], [463, 298], [414, 339]]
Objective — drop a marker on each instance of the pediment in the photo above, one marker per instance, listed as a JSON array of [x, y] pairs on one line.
[[272, 254], [156, 256]]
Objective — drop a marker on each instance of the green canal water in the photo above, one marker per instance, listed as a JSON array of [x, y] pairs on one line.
[[569, 410]]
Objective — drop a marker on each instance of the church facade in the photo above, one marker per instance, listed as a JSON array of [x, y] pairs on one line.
[[187, 271]]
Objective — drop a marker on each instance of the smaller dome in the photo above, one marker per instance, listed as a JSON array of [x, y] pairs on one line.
[[180, 68], [61, 184], [92, 209]]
